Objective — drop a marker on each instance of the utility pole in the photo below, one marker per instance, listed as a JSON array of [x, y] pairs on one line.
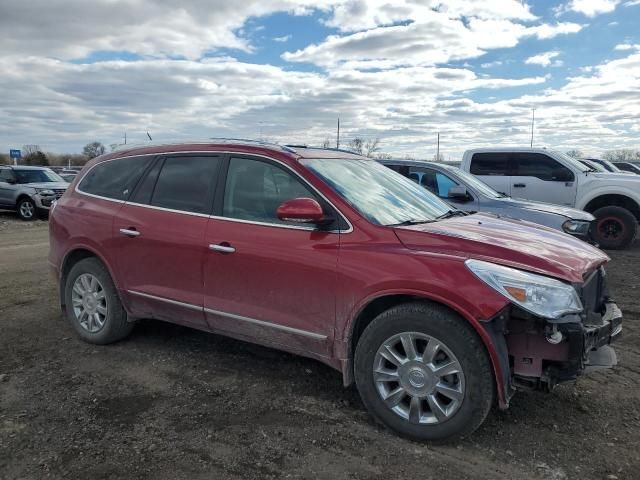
[[533, 120], [438, 149], [338, 136], [125, 138]]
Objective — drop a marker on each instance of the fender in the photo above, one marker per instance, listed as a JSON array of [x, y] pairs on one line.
[[500, 363], [599, 191]]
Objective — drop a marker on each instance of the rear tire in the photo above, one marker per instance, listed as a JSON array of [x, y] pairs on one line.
[[436, 405], [615, 227], [26, 209], [92, 304]]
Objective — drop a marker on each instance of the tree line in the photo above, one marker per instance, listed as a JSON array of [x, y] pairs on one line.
[[34, 155]]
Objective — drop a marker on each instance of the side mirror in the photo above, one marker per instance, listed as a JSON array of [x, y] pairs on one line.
[[10, 181], [301, 210], [458, 192]]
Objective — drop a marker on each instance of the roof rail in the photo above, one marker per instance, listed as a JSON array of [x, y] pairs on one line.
[[246, 141], [290, 145]]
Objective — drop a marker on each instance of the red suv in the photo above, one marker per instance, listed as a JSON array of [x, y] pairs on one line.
[[434, 313]]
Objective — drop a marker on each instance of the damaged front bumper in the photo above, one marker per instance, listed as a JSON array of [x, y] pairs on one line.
[[542, 352]]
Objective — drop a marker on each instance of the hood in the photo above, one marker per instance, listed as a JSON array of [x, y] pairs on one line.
[[633, 179], [512, 243], [572, 213], [49, 185]]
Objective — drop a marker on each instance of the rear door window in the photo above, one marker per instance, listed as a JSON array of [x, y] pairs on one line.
[[490, 163], [185, 183], [538, 165], [114, 178]]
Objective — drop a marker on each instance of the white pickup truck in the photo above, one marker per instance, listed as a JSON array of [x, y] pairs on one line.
[[553, 177]]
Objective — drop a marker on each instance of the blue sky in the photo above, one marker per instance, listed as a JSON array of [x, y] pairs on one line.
[[285, 70]]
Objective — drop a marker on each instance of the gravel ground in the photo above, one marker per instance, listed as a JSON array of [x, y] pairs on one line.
[[175, 403]]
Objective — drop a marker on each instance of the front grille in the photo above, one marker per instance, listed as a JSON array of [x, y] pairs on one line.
[[59, 192]]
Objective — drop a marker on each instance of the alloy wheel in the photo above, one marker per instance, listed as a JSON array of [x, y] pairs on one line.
[[89, 303], [27, 209], [419, 378]]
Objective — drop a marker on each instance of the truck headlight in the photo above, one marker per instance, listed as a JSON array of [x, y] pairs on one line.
[[45, 191], [542, 296], [576, 227]]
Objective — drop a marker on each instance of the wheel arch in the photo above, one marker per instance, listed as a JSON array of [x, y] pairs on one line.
[[613, 200], [382, 302], [71, 258]]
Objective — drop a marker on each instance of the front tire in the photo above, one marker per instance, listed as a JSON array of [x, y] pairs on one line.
[[423, 372], [615, 227], [92, 304], [26, 209]]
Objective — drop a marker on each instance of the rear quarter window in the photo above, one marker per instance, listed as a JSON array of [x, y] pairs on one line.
[[114, 178]]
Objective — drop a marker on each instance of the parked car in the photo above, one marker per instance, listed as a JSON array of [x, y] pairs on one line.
[[466, 192], [69, 177], [596, 167], [29, 191], [433, 313], [607, 165], [550, 176], [628, 167]]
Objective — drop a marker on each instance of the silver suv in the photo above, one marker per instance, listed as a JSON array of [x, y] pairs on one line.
[[30, 191]]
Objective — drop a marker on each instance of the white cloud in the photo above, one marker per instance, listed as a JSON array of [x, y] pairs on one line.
[[632, 3], [436, 39], [74, 28], [590, 8], [626, 46], [283, 39], [544, 59]]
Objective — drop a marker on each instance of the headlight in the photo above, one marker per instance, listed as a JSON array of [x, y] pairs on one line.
[[576, 227], [539, 295], [45, 191]]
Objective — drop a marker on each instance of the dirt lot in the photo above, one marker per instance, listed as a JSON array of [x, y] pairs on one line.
[[171, 402]]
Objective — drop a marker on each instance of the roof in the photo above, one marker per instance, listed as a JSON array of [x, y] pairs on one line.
[[231, 144], [507, 149], [25, 167]]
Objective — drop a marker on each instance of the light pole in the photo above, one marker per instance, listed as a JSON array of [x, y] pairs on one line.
[[533, 120], [438, 149]]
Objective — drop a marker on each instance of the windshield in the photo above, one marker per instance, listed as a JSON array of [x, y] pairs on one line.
[[573, 161], [383, 196], [475, 183], [37, 176]]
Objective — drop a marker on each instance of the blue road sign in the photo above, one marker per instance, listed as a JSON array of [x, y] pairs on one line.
[[15, 153]]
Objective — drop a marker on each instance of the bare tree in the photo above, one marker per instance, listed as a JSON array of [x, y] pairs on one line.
[[326, 143], [438, 157], [356, 145], [93, 149], [30, 149], [575, 153], [365, 147], [371, 146], [113, 146], [624, 155]]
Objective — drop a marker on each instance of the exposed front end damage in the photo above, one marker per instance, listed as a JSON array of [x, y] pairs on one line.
[[544, 352], [537, 353]]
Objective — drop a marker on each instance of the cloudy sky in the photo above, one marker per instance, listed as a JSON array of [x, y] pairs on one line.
[[75, 71]]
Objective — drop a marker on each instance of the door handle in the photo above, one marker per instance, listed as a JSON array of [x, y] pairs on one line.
[[129, 232], [222, 248], [519, 185]]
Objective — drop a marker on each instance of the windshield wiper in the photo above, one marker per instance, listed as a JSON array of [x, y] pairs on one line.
[[409, 222], [452, 213]]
